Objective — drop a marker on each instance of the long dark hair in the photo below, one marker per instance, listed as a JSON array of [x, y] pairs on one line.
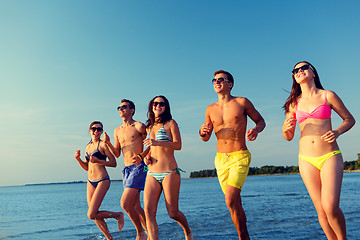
[[296, 89], [164, 117]]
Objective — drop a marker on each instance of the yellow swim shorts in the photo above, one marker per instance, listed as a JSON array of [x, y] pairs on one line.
[[232, 168]]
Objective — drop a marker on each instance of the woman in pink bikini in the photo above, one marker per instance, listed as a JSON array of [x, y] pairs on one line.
[[320, 160]]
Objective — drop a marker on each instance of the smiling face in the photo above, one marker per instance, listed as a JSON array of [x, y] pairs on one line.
[[126, 109], [303, 72], [221, 83], [158, 106], [96, 130]]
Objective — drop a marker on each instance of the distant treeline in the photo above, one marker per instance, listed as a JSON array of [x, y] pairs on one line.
[[353, 165], [252, 171]]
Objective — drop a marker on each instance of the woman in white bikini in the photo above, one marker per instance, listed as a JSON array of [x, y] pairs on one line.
[[164, 175], [98, 178], [320, 160]]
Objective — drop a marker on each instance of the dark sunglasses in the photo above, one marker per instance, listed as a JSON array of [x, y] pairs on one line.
[[161, 104], [99, 129], [305, 67], [121, 107], [219, 80]]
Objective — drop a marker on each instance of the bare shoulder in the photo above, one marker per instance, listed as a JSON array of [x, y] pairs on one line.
[[212, 106], [242, 100], [140, 126], [172, 123], [103, 146], [331, 95], [117, 130]]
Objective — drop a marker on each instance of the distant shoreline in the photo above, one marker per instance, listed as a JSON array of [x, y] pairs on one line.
[[120, 180], [274, 174]]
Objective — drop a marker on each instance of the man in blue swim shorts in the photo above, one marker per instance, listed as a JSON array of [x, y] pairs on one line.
[[129, 140], [228, 118]]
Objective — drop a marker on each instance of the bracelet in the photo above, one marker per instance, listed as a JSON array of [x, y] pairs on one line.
[[202, 135], [139, 155]]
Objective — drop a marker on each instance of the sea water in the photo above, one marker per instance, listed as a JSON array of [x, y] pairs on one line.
[[277, 207]]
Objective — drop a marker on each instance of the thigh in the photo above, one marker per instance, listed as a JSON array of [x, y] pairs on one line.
[[331, 178], [99, 194], [171, 187], [89, 192], [130, 195], [152, 193], [312, 180]]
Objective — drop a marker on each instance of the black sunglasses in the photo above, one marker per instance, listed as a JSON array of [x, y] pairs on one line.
[[161, 104], [121, 107], [305, 67], [99, 129], [219, 80]]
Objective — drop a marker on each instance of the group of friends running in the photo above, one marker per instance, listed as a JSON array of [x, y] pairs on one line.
[[155, 170]]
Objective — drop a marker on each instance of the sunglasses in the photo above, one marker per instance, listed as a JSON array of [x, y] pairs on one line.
[[121, 107], [305, 67], [219, 80], [161, 104], [99, 129]]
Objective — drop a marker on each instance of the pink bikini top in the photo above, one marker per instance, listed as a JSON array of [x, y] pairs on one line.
[[320, 112]]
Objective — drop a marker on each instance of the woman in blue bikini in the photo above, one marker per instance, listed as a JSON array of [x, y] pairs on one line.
[[98, 178], [320, 160], [163, 175]]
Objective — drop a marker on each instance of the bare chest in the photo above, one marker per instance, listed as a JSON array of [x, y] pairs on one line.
[[227, 116], [128, 135]]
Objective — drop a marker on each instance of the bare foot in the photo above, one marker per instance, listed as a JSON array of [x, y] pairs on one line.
[[120, 221], [141, 236]]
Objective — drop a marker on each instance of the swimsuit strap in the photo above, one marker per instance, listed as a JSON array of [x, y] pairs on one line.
[[178, 170], [325, 97], [150, 130]]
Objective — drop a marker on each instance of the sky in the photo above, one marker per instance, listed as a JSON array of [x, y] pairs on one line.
[[64, 64]]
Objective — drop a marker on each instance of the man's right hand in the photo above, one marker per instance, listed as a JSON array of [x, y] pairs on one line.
[[106, 138]]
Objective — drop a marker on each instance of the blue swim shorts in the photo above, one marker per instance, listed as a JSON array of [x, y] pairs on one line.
[[134, 176]]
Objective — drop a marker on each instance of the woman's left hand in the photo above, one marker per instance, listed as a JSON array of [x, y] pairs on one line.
[[150, 142], [94, 159], [330, 136]]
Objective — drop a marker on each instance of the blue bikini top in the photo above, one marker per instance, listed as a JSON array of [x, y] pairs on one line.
[[161, 135], [96, 154]]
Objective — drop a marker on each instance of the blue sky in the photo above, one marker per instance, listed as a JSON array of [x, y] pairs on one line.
[[67, 63]]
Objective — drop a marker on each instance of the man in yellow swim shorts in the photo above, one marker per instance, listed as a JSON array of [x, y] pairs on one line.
[[228, 118]]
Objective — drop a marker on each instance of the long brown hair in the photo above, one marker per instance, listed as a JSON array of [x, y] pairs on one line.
[[296, 89]]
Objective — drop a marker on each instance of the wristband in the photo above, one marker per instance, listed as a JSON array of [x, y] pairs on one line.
[[202, 135], [139, 155]]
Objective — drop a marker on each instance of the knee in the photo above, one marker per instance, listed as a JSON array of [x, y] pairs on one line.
[[149, 212], [126, 206], [173, 213], [91, 215], [330, 209], [232, 203]]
